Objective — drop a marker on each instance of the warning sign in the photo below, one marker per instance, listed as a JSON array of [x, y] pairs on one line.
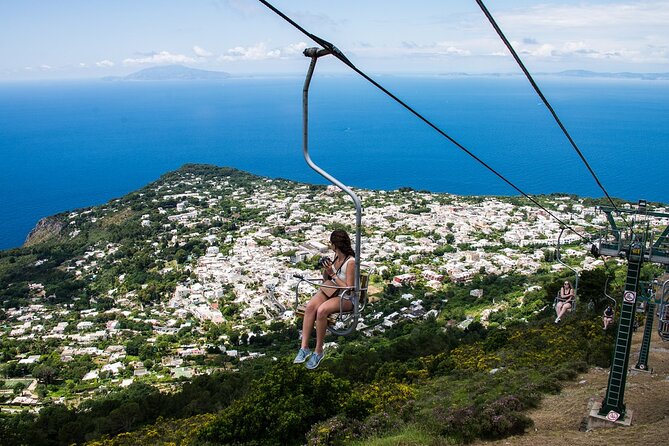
[[629, 297], [613, 416]]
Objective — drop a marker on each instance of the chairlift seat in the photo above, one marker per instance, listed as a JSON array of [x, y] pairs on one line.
[[347, 294], [559, 299]]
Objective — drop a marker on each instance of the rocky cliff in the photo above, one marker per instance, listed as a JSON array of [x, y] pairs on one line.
[[46, 229]]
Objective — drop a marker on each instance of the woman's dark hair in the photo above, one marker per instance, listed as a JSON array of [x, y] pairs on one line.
[[342, 242]]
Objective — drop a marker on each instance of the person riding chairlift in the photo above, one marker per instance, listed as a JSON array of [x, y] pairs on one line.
[[339, 272], [565, 301], [607, 318]]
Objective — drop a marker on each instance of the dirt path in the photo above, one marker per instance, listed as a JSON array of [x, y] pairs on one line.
[[559, 417]]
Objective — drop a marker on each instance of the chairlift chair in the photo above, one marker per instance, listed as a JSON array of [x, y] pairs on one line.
[[613, 302], [337, 322], [559, 259], [344, 322], [663, 324]]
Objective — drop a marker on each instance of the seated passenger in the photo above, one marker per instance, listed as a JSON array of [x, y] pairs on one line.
[[340, 272], [608, 317], [565, 301]]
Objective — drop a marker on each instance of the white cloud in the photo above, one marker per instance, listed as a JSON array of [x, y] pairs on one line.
[[639, 14], [413, 49], [45, 67], [625, 32], [591, 34], [451, 50], [293, 49], [571, 49], [105, 64], [161, 58], [201, 52], [259, 51]]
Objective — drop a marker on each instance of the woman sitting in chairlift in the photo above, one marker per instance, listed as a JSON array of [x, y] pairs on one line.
[[338, 272], [565, 301], [608, 317]]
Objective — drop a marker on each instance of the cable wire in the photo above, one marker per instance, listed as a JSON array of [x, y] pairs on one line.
[[543, 98], [339, 55]]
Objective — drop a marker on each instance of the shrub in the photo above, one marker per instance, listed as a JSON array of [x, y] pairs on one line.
[[280, 407], [499, 419]]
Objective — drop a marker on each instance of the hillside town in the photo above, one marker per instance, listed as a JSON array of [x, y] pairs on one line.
[[235, 249]]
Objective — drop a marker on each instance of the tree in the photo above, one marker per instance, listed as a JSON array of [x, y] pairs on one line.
[[125, 417], [45, 374], [591, 288], [280, 408], [149, 294], [133, 345], [18, 388]]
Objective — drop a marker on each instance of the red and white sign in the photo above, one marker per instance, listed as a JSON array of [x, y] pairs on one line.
[[629, 297], [613, 416]]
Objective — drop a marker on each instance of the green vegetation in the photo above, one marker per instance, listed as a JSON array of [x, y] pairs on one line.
[[418, 378]]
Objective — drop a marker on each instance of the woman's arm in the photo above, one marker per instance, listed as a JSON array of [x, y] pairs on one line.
[[566, 295]]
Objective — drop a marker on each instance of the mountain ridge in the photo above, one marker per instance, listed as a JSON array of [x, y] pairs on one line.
[[171, 72]]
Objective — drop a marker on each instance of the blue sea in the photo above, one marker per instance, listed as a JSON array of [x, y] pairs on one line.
[[67, 145]]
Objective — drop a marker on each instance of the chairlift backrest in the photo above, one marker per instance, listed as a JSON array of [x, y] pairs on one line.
[[663, 312], [362, 299]]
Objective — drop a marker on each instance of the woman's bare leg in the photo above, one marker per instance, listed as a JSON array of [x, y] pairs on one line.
[[565, 307], [327, 308], [310, 316]]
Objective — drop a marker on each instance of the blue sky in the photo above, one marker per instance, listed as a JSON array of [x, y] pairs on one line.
[[93, 38]]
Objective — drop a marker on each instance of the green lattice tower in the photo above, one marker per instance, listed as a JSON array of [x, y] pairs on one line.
[[652, 248], [615, 391]]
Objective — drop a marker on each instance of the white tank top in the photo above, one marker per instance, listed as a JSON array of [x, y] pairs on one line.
[[341, 272]]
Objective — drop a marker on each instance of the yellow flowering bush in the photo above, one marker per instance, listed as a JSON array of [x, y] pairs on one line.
[[474, 357], [163, 432], [387, 395]]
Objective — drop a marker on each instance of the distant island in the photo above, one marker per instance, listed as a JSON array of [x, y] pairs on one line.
[[180, 72], [624, 75], [170, 73]]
